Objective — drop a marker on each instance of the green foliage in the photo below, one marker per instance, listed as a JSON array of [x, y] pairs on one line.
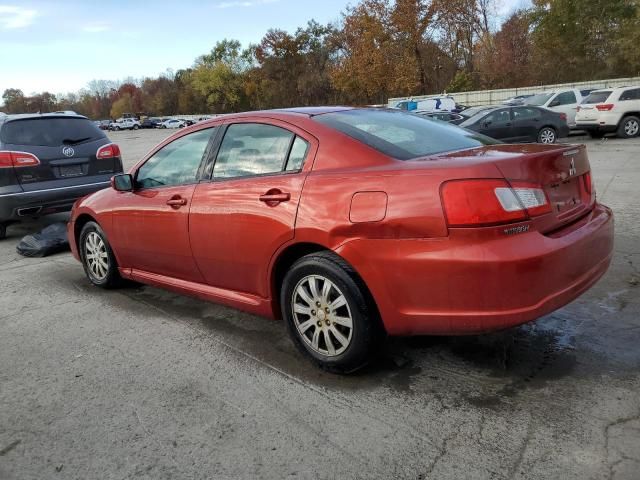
[[462, 82]]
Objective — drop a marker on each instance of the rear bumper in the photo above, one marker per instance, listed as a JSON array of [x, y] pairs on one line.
[[464, 285], [596, 127], [21, 205]]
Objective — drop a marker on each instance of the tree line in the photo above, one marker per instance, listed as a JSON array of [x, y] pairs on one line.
[[379, 49]]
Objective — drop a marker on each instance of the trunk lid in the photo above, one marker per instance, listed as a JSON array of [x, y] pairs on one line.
[[563, 172]]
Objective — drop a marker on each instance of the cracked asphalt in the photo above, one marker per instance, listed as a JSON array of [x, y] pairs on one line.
[[142, 383]]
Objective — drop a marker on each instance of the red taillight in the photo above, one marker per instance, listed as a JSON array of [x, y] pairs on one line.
[[18, 159], [604, 107], [563, 116], [108, 151], [587, 182], [491, 202]]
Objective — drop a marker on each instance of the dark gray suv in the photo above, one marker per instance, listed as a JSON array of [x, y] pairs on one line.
[[48, 161]]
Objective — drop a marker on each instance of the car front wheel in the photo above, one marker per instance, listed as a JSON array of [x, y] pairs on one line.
[[629, 127], [329, 313], [98, 259], [547, 135], [135, 127]]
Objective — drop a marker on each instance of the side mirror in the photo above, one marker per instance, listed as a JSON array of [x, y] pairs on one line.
[[122, 182]]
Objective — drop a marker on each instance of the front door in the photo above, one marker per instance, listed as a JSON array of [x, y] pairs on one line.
[[247, 211], [151, 224]]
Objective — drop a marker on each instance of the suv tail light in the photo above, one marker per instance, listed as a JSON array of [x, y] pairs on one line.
[[18, 159], [111, 150], [491, 202], [604, 107]]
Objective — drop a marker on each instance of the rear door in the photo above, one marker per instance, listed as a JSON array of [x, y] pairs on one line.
[[526, 123], [566, 102], [498, 125], [247, 211], [66, 147]]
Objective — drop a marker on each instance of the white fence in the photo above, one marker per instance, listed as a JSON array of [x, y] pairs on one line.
[[488, 97]]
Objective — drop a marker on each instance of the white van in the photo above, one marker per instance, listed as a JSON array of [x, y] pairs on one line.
[[561, 101]]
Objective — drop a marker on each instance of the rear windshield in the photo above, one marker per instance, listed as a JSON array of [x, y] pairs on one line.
[[50, 132], [597, 97], [402, 135]]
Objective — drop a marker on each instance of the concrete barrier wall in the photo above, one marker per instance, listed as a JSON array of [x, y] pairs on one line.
[[488, 97]]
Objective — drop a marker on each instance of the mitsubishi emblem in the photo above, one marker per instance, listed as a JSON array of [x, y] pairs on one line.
[[572, 168]]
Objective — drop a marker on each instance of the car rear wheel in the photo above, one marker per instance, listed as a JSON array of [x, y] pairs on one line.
[[547, 135], [98, 259], [329, 314], [629, 127], [3, 231], [135, 127]]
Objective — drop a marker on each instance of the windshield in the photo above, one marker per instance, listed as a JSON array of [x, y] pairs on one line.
[[597, 97], [470, 112], [402, 135], [474, 118], [539, 99], [50, 131]]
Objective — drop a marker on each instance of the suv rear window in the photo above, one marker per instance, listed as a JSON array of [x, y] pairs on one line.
[[597, 97], [50, 132], [402, 135]]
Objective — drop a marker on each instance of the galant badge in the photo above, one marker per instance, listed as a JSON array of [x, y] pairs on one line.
[[68, 151], [572, 168]]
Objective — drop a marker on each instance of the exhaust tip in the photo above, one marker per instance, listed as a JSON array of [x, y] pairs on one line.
[[28, 211]]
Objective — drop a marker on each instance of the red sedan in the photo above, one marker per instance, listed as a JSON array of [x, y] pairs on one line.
[[351, 224]]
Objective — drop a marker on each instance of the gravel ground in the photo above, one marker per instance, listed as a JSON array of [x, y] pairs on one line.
[[143, 383]]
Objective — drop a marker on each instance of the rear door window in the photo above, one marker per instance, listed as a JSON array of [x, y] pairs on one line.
[[253, 149], [50, 132], [525, 113], [565, 98], [633, 94]]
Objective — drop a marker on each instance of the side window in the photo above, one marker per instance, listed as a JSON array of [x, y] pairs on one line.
[[633, 94], [525, 113], [565, 98], [252, 149], [176, 163], [297, 155], [499, 116]]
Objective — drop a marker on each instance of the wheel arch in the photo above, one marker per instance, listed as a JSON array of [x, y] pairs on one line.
[[292, 253], [628, 114]]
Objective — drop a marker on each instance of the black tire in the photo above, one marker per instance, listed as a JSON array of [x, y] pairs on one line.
[[3, 231], [366, 332], [547, 135], [629, 127], [135, 127], [595, 134], [117, 129], [112, 278]]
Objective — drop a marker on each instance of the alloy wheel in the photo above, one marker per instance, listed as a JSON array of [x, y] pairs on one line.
[[631, 128], [547, 136], [96, 256], [322, 315]]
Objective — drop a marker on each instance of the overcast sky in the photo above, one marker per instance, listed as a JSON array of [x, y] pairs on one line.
[[60, 46]]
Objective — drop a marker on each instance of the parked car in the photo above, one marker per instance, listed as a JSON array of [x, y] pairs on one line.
[[612, 110], [125, 124], [151, 122], [48, 161], [442, 116], [352, 223], [517, 100], [428, 104], [519, 124], [561, 101], [173, 123]]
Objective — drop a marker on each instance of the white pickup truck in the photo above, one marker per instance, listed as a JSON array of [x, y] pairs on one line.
[[562, 101], [125, 124]]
